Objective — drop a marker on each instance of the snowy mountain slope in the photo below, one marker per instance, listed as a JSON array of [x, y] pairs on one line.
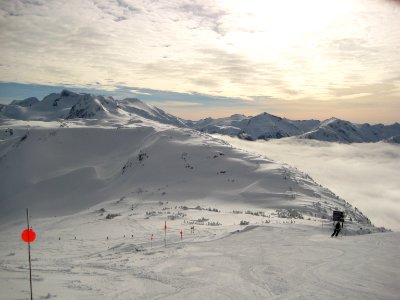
[[70, 105], [103, 179], [90, 107], [135, 106], [230, 125], [394, 140], [305, 125], [98, 195], [104, 148], [26, 102], [90, 255], [262, 126], [266, 126], [335, 130], [52, 107], [378, 132], [58, 171]]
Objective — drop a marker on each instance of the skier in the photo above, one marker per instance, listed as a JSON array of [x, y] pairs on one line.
[[337, 229]]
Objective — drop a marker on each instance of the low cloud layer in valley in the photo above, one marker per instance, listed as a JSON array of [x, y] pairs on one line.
[[366, 175]]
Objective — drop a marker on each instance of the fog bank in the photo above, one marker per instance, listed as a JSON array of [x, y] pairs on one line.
[[366, 175]]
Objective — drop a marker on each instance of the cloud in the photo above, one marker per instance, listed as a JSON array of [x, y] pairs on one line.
[[394, 1], [137, 92], [232, 49], [204, 82], [177, 104], [352, 96], [118, 10], [366, 175], [208, 13]]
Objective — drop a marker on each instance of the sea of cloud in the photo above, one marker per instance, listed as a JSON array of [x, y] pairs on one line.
[[366, 175]]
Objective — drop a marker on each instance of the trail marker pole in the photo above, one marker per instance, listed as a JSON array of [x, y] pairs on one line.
[[165, 234], [29, 238], [181, 232], [151, 242]]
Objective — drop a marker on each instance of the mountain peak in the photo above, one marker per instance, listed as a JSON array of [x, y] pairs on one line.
[[237, 116], [132, 100], [26, 102], [333, 119], [67, 93], [88, 106]]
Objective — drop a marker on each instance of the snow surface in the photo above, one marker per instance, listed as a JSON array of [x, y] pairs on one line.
[[262, 261], [81, 189], [101, 176], [64, 168]]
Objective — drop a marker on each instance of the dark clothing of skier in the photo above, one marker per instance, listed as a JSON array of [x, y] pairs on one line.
[[337, 229]]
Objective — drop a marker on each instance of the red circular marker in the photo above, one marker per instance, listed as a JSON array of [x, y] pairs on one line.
[[28, 235]]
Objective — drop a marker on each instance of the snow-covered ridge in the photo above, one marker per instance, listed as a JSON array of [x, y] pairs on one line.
[[26, 102], [266, 126], [86, 166], [336, 130], [111, 112], [394, 140], [70, 105]]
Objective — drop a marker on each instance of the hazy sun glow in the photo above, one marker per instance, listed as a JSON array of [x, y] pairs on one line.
[[286, 21], [272, 55]]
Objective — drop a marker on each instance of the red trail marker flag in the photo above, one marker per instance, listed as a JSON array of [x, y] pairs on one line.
[[28, 235]]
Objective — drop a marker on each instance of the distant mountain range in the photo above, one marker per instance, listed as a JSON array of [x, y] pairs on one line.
[[266, 126], [68, 105]]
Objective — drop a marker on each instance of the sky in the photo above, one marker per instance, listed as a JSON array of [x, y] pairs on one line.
[[199, 58], [364, 174]]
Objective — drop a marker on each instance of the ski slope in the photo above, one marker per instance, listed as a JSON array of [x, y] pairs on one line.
[[277, 260]]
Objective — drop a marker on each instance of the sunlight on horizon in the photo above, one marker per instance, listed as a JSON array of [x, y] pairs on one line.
[[275, 56]]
